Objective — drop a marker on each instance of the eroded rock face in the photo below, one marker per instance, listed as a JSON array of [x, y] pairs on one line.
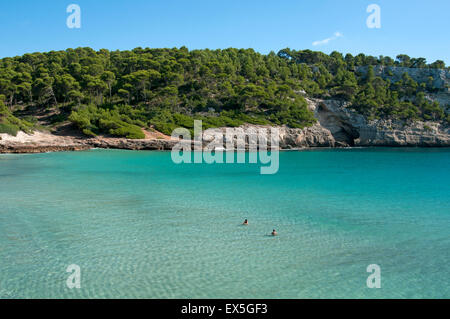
[[440, 77], [127, 144], [339, 126], [314, 136], [349, 128], [389, 133], [287, 138]]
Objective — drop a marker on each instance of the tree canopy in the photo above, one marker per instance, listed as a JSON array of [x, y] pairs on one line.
[[120, 92]]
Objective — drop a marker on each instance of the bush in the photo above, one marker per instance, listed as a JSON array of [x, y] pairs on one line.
[[128, 131], [10, 124], [10, 129], [88, 132], [93, 121]]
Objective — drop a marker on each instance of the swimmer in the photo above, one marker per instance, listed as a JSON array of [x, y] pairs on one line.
[[274, 233], [245, 222]]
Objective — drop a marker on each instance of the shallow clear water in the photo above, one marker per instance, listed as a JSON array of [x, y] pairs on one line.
[[140, 226]]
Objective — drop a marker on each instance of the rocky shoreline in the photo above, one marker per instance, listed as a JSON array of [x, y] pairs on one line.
[[40, 142], [337, 126]]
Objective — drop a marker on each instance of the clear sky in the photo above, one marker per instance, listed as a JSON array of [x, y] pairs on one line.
[[418, 28]]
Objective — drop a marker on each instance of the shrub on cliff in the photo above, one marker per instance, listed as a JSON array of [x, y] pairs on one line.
[[93, 121], [10, 124]]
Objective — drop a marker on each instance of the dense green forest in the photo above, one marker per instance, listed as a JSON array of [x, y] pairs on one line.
[[120, 92]]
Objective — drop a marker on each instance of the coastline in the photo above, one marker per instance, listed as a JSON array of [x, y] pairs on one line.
[[44, 142], [337, 126]]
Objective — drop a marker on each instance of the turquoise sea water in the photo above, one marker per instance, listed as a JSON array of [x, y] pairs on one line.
[[140, 226]]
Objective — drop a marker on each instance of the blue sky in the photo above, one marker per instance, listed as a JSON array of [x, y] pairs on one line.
[[417, 28]]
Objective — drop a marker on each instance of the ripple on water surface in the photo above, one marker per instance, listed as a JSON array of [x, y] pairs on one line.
[[140, 226]]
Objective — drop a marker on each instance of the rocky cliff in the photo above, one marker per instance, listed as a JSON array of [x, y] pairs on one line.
[[440, 78], [437, 80], [340, 126]]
